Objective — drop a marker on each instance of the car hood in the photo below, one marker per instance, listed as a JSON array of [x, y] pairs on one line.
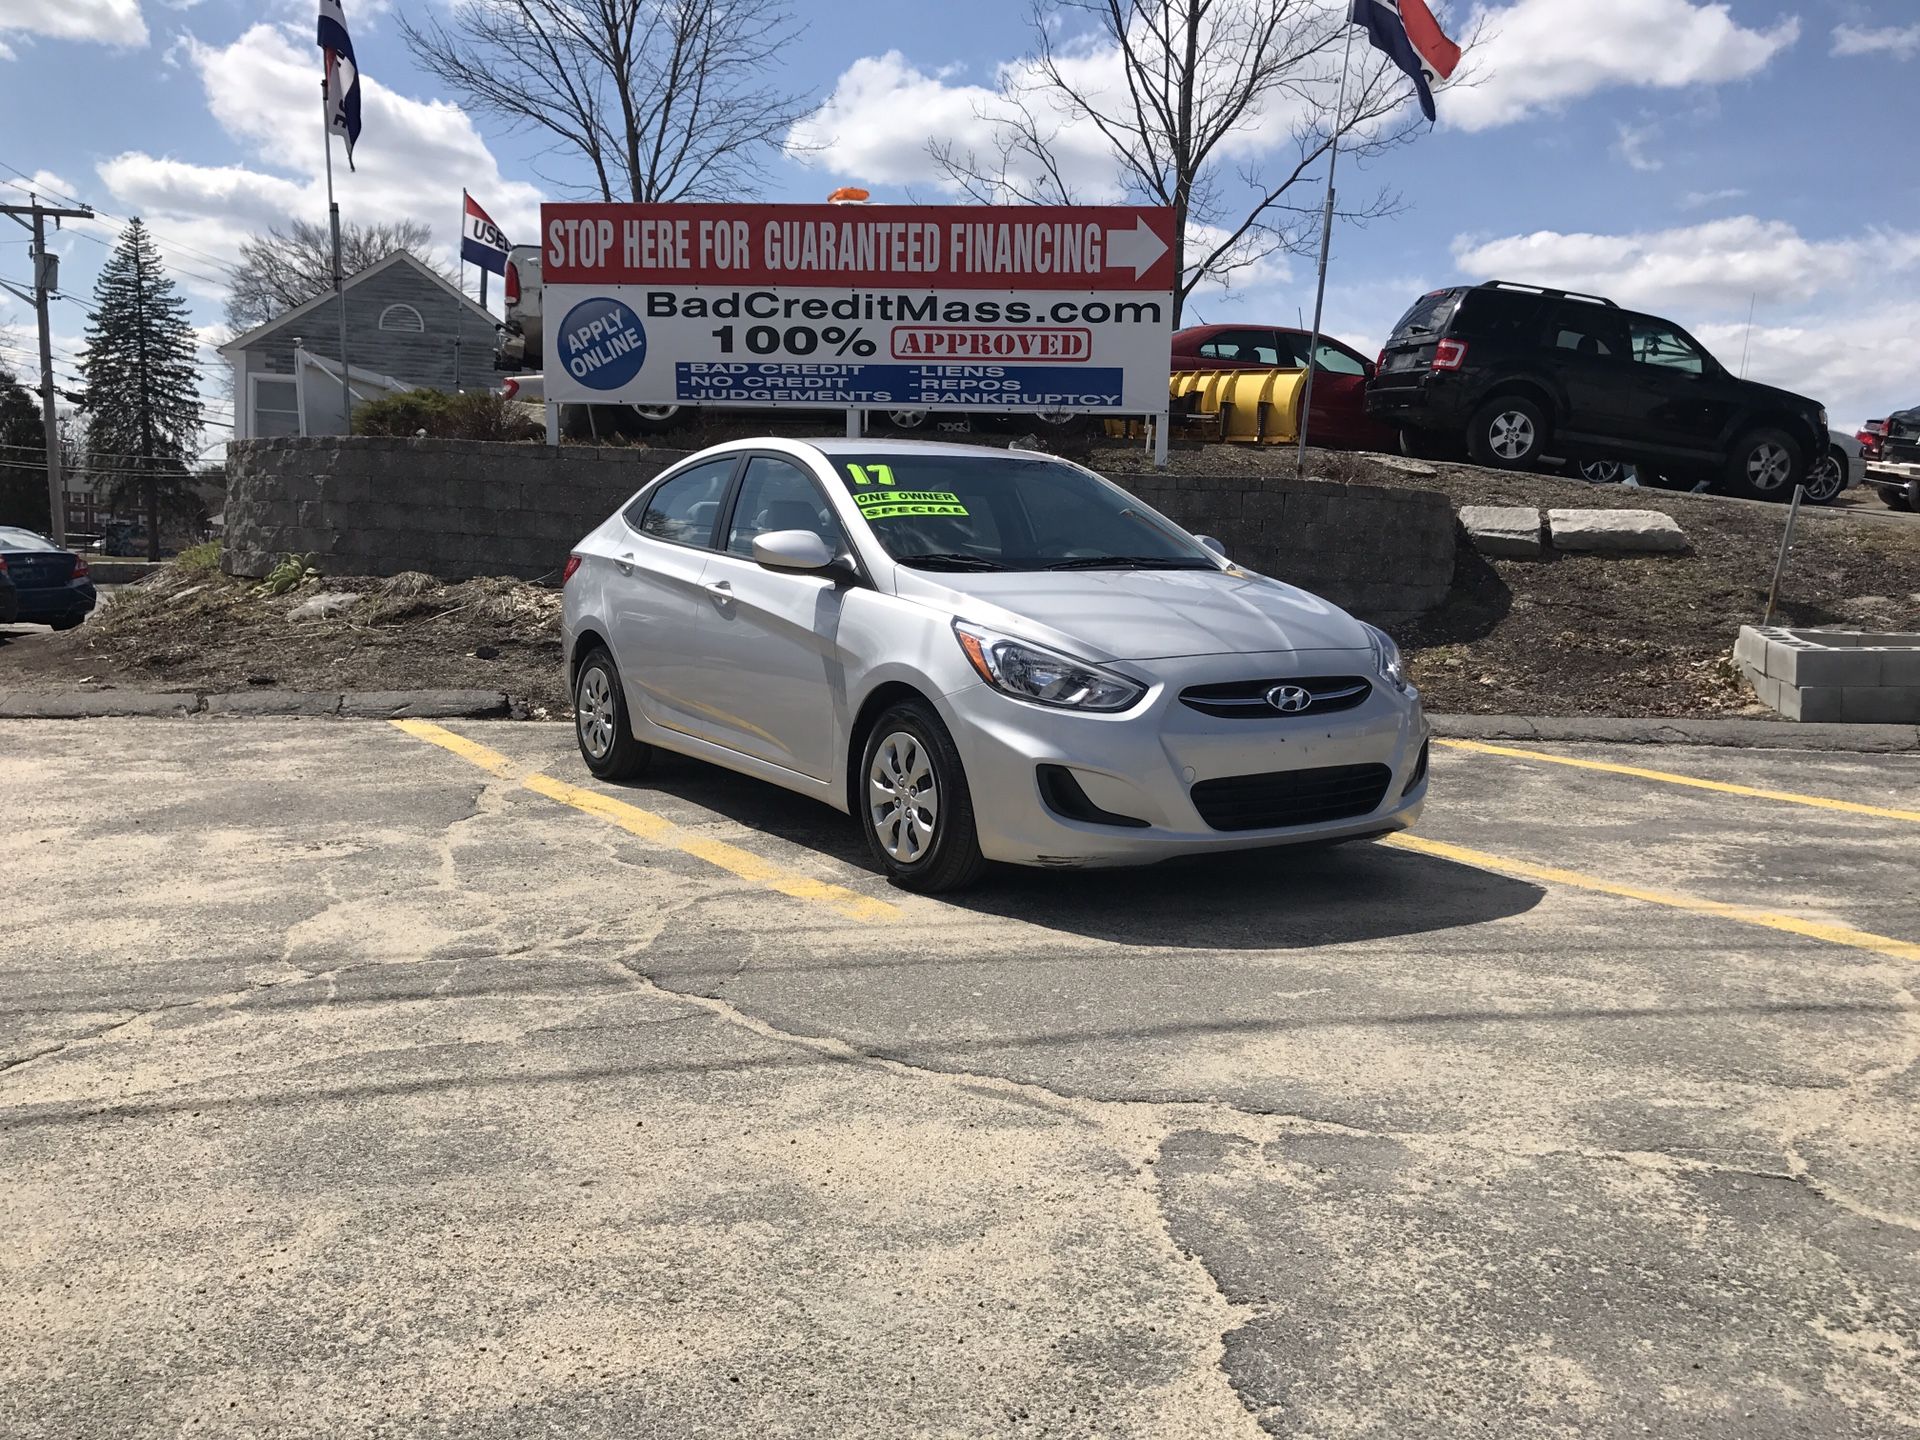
[[1142, 614]]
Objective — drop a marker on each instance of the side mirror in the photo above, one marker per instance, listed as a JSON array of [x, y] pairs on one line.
[[1212, 544], [1369, 369], [792, 550]]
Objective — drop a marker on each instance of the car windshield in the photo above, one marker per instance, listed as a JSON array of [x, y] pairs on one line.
[[1005, 512]]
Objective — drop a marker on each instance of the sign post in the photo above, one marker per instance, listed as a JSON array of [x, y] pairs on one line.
[[960, 308]]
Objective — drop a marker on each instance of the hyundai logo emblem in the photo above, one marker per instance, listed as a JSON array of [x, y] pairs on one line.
[[1289, 699]]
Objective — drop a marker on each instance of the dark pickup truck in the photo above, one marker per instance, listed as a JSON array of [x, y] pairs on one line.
[[1893, 465]]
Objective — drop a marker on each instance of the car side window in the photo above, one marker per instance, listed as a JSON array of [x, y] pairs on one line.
[[776, 494], [683, 509], [1253, 347], [1589, 330], [1337, 362], [1656, 343]]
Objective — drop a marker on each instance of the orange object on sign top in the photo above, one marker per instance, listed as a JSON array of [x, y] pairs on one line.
[[849, 195]]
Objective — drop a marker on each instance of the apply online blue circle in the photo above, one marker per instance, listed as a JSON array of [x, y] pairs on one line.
[[602, 343]]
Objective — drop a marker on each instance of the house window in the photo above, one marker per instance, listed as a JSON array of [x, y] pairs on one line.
[[402, 317], [276, 406]]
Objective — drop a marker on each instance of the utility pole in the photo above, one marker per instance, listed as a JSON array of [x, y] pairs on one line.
[[46, 279]]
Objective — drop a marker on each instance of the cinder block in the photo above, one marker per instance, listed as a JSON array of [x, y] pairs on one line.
[[1901, 668], [1813, 704], [1750, 650], [1795, 662], [1880, 705]]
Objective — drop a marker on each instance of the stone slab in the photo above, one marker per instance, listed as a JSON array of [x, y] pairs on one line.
[[275, 702], [423, 704], [89, 705], [1509, 530], [1624, 532]]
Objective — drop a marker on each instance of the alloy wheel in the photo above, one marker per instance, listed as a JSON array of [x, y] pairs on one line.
[[1511, 436], [1769, 466], [903, 797], [1827, 479], [906, 419], [593, 712], [1602, 472]]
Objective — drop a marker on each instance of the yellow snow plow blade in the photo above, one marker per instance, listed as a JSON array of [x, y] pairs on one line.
[[1242, 407]]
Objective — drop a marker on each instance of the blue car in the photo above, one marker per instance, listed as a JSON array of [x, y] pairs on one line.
[[51, 584]]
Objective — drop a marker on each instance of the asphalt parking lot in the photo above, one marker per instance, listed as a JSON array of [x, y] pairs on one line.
[[363, 1080]]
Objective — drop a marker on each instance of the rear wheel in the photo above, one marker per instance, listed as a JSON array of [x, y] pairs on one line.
[[651, 419], [1765, 465], [1601, 472], [67, 622], [1902, 499], [906, 419], [600, 722], [1509, 433], [914, 803], [1828, 478]]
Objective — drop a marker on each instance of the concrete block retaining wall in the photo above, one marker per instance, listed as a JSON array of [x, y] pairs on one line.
[[456, 509]]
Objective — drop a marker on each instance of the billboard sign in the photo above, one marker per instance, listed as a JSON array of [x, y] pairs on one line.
[[869, 307]]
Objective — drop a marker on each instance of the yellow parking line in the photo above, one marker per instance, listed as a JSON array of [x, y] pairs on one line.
[[1766, 919], [1666, 777], [658, 829]]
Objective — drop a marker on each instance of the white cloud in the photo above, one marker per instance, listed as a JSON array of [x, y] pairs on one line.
[[1634, 142], [413, 158], [1898, 42], [1541, 54], [1826, 327], [1719, 263], [108, 22], [1699, 199]]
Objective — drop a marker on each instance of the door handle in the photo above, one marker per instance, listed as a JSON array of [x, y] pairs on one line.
[[625, 562], [721, 591]]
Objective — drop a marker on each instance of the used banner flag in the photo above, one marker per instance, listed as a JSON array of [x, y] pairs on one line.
[[342, 75], [1412, 38], [481, 242]]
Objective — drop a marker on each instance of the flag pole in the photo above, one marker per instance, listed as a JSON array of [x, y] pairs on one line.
[[339, 280], [1326, 240]]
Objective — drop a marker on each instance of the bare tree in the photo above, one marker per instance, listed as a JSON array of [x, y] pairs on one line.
[[284, 268], [1172, 89], [664, 99]]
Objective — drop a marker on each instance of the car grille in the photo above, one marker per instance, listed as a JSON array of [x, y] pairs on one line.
[[1247, 699], [1291, 797]]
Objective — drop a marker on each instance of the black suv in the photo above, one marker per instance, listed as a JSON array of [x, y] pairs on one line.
[[1520, 373]]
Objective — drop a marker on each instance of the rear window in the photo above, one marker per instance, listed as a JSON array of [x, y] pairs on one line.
[[1428, 316], [14, 539]]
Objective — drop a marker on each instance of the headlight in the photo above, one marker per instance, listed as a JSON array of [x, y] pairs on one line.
[[1386, 659], [1045, 677]]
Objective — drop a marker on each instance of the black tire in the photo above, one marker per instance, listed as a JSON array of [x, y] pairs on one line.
[[1604, 470], [1765, 464], [1510, 432], [910, 732], [68, 622], [1828, 480], [600, 722], [1897, 499], [1423, 445]]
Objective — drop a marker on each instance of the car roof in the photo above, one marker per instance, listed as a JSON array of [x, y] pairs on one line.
[[876, 445]]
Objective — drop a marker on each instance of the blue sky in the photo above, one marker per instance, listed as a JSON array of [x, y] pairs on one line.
[[1691, 158]]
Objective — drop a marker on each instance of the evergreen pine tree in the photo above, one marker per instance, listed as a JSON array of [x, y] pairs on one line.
[[23, 457], [143, 404]]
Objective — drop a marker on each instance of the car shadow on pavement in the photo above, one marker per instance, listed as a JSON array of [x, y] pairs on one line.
[[1283, 897]]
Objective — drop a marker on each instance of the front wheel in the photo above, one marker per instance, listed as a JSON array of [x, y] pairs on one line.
[[1827, 479], [914, 803], [600, 722], [651, 419], [1509, 433], [1765, 465]]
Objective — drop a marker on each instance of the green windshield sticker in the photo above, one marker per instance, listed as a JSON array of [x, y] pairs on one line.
[[872, 474], [885, 504]]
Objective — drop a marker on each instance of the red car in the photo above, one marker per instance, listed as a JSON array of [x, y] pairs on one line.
[[1340, 378]]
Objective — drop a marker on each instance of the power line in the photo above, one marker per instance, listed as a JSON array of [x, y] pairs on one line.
[[174, 241]]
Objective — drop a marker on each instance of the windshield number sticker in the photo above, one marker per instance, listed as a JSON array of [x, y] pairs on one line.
[[872, 475], [885, 505]]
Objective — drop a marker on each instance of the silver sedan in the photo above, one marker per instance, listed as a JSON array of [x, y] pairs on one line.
[[982, 655]]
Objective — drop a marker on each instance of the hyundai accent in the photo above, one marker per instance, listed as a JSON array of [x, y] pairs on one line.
[[983, 655]]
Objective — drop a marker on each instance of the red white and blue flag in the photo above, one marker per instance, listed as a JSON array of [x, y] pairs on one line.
[[1412, 39], [481, 242], [342, 82]]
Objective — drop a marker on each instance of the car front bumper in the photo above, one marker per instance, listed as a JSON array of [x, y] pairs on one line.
[[1144, 765]]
